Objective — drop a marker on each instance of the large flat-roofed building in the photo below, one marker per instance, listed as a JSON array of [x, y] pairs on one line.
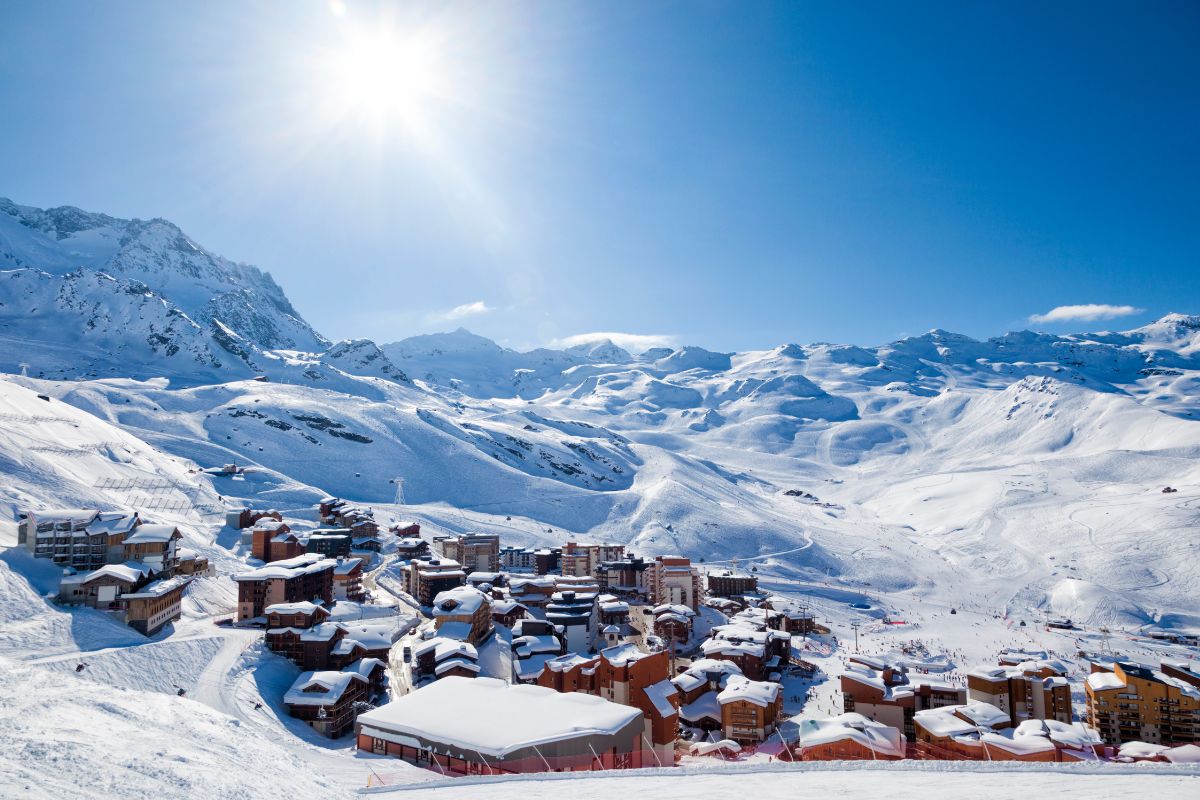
[[889, 694], [1029, 690], [476, 552], [584, 558], [1130, 702], [426, 579], [524, 729], [728, 583], [673, 579], [306, 577]]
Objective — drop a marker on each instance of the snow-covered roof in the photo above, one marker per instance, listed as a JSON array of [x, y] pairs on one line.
[[131, 571], [455, 663], [364, 666], [158, 588], [110, 522], [1184, 754], [622, 654], [1103, 681], [942, 722], [459, 600], [447, 711], [698, 671], [333, 685], [145, 534], [739, 687], [61, 515], [704, 706], [660, 695], [982, 714], [876, 736], [290, 568], [674, 608], [187, 554], [347, 565], [302, 607]]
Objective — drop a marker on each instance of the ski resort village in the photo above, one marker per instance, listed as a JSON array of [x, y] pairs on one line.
[[240, 560]]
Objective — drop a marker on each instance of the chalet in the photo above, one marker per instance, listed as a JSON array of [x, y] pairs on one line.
[[750, 710], [192, 563], [410, 548], [301, 615], [463, 613], [273, 540], [848, 737], [532, 592], [790, 616], [325, 700], [411, 531], [673, 623], [102, 588], [981, 731], [242, 518], [347, 579], [507, 612], [330, 645], [155, 546], [152, 606], [375, 672], [128, 591], [486, 581], [438, 727], [440, 657], [362, 543], [890, 695], [759, 653], [306, 577]]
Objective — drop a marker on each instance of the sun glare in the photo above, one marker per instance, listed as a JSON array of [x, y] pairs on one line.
[[384, 77]]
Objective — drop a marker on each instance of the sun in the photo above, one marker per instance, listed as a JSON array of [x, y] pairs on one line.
[[385, 77]]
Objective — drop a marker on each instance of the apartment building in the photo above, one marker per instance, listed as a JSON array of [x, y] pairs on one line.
[[306, 577], [476, 552], [1129, 702], [731, 583], [888, 694], [1029, 690], [83, 539], [582, 558], [673, 579], [424, 580]]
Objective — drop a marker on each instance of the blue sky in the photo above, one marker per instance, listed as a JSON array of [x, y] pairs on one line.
[[734, 175]]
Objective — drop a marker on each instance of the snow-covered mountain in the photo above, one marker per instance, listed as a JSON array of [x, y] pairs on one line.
[[1017, 477]]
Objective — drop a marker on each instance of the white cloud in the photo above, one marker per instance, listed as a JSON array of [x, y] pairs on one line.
[[465, 310], [633, 342], [1088, 312]]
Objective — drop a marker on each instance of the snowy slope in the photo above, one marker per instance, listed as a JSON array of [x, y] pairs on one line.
[[1011, 479]]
